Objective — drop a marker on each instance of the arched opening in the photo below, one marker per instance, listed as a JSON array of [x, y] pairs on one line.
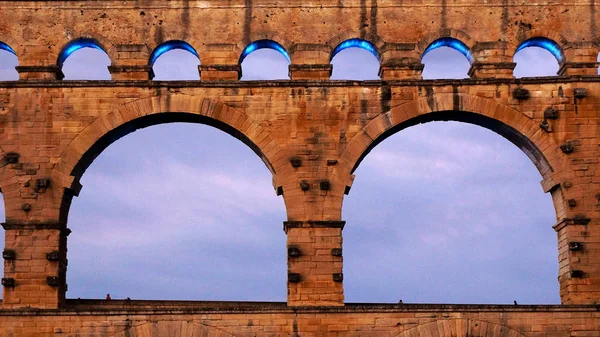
[[449, 212], [176, 211], [175, 60], [446, 58], [8, 62], [355, 59], [265, 60], [537, 57], [84, 59]]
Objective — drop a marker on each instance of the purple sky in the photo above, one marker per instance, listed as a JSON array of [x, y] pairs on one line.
[[443, 212]]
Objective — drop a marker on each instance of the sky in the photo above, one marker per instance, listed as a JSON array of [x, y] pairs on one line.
[[443, 212]]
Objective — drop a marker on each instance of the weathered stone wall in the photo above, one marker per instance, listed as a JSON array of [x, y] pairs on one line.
[[310, 30], [158, 319], [310, 132], [311, 138]]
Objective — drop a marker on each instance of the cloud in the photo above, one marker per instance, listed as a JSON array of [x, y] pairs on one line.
[[174, 193], [450, 217], [449, 149], [209, 223]]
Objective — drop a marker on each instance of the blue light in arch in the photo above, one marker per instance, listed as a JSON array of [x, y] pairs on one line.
[[261, 44], [170, 45], [4, 46], [355, 43], [452, 43], [74, 46], [544, 43]]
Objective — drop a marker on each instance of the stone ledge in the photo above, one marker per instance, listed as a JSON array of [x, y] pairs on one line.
[[576, 221], [9, 225], [84, 307], [295, 83], [313, 224]]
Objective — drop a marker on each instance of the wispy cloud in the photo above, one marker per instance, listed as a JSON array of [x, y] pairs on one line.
[[211, 223], [448, 204]]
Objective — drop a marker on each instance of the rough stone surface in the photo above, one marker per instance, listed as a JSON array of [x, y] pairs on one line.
[[53, 129]]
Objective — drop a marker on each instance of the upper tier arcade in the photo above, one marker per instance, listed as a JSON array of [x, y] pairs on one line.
[[133, 33]]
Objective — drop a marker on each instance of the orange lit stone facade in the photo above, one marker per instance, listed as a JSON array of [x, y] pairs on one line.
[[310, 132]]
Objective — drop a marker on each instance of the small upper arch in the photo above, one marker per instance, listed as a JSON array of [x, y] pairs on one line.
[[444, 38], [443, 52], [180, 61], [347, 36], [545, 43], [450, 42], [262, 44], [356, 43], [168, 46], [552, 36], [76, 44], [362, 63], [271, 63], [90, 65]]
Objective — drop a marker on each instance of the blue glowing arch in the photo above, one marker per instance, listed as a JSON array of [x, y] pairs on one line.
[[170, 45], [355, 43], [544, 43], [74, 46], [4, 46], [452, 43], [261, 44]]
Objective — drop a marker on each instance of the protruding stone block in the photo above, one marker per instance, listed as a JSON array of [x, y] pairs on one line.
[[310, 71], [401, 71], [131, 72], [521, 94], [220, 72], [579, 69], [492, 70], [48, 73]]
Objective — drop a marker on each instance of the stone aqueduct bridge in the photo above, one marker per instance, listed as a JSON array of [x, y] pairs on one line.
[[310, 132]]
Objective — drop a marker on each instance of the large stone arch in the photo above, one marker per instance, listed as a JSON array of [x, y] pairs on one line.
[[171, 329], [518, 128], [460, 328], [167, 108]]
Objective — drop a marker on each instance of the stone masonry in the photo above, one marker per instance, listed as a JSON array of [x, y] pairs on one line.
[[310, 132]]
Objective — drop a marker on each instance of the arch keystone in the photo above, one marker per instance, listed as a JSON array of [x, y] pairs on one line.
[[168, 107], [171, 328], [460, 328]]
